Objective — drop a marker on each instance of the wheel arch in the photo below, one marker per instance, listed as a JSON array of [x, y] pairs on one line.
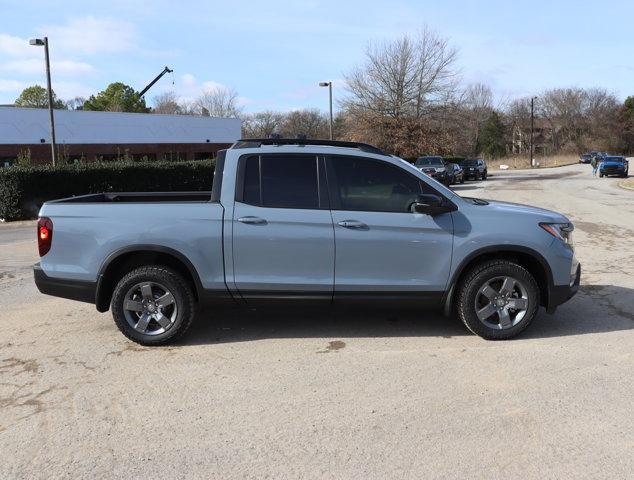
[[530, 259], [125, 259]]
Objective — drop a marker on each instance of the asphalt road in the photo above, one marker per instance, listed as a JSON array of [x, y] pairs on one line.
[[313, 395]]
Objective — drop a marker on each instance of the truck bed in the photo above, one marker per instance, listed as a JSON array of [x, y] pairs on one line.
[[138, 197]]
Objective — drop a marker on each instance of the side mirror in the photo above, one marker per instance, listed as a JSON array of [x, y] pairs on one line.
[[431, 205]]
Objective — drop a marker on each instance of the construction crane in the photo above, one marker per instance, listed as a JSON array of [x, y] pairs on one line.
[[156, 79]]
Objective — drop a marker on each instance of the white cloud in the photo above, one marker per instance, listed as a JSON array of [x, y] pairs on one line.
[[89, 35], [17, 47], [66, 90], [9, 86], [63, 90], [188, 87], [36, 66]]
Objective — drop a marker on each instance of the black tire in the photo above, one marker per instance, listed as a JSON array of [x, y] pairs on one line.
[[468, 293], [600, 175], [484, 176], [461, 180], [182, 313]]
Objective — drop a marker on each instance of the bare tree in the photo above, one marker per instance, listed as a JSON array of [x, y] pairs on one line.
[[76, 103], [166, 103], [405, 77], [477, 105], [262, 124], [311, 123], [219, 102]]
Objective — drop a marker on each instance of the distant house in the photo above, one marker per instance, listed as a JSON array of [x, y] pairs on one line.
[[89, 136]]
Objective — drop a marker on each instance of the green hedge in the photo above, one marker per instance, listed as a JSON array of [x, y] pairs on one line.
[[24, 189]]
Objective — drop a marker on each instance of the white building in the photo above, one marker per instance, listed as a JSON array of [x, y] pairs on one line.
[[89, 135]]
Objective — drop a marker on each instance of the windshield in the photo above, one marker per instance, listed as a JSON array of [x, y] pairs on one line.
[[470, 163], [425, 161], [613, 159]]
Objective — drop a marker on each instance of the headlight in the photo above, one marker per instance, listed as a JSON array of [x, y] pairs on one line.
[[562, 231]]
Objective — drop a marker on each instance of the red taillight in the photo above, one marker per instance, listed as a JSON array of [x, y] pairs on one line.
[[44, 235]]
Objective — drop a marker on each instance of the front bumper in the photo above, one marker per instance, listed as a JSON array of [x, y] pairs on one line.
[[79, 290], [562, 293], [612, 170]]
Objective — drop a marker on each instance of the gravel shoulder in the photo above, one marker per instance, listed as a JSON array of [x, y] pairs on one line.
[[317, 395]]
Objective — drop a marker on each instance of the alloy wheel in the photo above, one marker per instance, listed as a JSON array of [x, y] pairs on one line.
[[502, 302], [150, 308]]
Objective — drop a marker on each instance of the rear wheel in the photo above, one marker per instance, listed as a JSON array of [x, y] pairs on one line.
[[497, 299], [153, 305]]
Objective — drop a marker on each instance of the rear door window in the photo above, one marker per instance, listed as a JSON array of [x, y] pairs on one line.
[[281, 181]]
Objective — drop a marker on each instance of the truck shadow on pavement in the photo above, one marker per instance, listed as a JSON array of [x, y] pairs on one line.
[[595, 309]]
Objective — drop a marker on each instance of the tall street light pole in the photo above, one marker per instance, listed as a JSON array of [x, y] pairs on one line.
[[329, 85], [44, 42], [532, 147]]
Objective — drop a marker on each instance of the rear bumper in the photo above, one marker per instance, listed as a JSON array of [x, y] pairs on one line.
[[562, 293], [81, 291]]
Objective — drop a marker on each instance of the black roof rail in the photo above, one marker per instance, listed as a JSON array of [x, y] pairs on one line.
[[258, 142]]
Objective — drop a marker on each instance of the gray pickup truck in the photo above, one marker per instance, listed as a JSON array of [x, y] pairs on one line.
[[306, 221]]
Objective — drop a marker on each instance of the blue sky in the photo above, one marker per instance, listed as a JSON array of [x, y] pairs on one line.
[[275, 53]]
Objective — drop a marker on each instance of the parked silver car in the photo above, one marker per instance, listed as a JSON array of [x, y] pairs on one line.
[[297, 221]]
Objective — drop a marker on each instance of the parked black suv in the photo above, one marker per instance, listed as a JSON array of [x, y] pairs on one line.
[[475, 168]]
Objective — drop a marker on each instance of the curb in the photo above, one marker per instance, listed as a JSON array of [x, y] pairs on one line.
[[626, 187]]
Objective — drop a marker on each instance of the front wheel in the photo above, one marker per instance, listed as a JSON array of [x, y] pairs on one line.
[[497, 299], [153, 305]]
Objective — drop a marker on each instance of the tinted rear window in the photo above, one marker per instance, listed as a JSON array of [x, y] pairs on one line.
[[281, 181]]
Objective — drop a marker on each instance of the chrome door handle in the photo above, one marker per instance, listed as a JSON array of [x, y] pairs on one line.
[[352, 224], [252, 220]]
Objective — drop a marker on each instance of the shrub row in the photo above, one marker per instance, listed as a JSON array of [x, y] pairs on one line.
[[23, 189]]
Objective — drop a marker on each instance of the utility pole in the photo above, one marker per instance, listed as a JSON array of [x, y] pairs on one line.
[[532, 157], [329, 85], [44, 42]]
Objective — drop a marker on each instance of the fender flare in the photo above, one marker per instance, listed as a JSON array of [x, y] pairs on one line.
[[502, 249], [102, 300]]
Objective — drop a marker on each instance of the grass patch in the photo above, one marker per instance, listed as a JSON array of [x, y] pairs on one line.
[[628, 183], [517, 162]]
